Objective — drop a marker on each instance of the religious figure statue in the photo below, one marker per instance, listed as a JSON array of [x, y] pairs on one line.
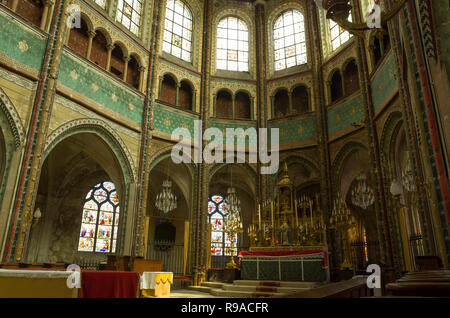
[[284, 233]]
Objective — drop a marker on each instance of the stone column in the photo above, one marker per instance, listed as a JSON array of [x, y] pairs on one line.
[[290, 102], [233, 104], [91, 35], [44, 18], [110, 48], [177, 94], [14, 5], [126, 59], [141, 77]]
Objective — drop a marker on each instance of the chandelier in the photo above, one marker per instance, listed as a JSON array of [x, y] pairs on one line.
[[341, 215], [232, 221], [232, 201], [362, 193], [166, 201], [339, 10]]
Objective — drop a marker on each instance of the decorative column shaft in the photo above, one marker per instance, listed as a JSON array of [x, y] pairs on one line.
[[91, 35], [110, 48]]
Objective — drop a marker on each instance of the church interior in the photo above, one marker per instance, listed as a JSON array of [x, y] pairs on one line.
[[349, 97]]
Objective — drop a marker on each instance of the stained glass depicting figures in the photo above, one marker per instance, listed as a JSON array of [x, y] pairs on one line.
[[177, 38], [100, 211], [129, 14], [289, 40]]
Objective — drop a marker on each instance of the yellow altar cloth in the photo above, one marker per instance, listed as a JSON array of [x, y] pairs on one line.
[[35, 284], [156, 284]]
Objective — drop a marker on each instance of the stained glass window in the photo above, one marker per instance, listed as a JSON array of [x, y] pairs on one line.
[[232, 45], [178, 30], [101, 3], [220, 242], [129, 14], [338, 34], [100, 219], [289, 40]]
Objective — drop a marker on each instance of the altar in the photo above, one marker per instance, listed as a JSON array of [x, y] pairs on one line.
[[309, 265], [287, 237]]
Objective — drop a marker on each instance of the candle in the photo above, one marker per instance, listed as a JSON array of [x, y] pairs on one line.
[[311, 211], [273, 227], [259, 215], [296, 215]]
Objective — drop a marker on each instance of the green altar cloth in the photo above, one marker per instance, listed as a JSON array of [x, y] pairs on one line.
[[307, 267]]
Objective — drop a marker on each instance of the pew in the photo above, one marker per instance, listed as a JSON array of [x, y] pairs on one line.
[[434, 283]]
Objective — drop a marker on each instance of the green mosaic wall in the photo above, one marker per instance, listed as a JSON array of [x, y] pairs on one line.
[[21, 44], [384, 82], [295, 130], [234, 124], [166, 119], [343, 115], [78, 76]]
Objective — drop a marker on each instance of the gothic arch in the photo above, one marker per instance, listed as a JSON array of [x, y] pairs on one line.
[[13, 118], [340, 159], [104, 131]]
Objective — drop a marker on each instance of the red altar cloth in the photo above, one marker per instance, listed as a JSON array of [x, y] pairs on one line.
[[109, 284], [285, 253]]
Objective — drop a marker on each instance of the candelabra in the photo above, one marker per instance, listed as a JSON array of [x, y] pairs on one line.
[[362, 194], [232, 221], [342, 220], [166, 201], [309, 229]]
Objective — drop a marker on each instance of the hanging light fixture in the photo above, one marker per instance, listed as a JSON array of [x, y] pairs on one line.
[[362, 193], [166, 201]]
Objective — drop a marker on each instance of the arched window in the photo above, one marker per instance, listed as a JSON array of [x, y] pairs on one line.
[[336, 88], [289, 40], [129, 14], [101, 3], [100, 220], [178, 30], [224, 104], [232, 45], [220, 243], [133, 74], [338, 34], [185, 96], [281, 103], [168, 90], [79, 39], [242, 106], [351, 78], [99, 53], [300, 100]]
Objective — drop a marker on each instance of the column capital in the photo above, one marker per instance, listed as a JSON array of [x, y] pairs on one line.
[[48, 3], [92, 34], [126, 59], [141, 69], [110, 47]]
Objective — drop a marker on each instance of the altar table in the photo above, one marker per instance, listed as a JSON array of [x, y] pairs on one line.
[[109, 284], [309, 265], [156, 283], [21, 283]]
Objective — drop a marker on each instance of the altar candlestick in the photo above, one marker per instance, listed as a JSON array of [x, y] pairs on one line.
[[273, 226], [259, 215], [311, 211], [296, 215]]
